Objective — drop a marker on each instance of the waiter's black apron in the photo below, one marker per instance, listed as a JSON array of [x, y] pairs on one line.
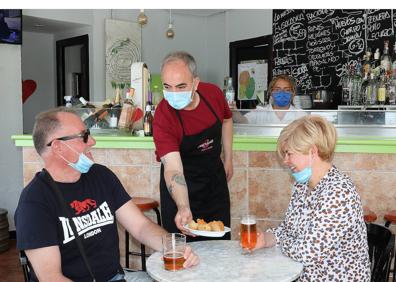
[[205, 177]]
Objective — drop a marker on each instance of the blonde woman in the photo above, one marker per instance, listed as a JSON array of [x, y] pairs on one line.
[[323, 227]]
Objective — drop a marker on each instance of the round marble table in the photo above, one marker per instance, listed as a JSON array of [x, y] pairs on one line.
[[223, 261]]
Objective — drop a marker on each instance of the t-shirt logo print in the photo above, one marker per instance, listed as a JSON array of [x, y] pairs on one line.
[[206, 145], [83, 206]]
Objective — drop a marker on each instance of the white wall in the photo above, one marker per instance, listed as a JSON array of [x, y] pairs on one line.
[[38, 64], [11, 123]]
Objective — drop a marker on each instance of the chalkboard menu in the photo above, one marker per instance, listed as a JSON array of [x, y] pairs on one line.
[[316, 46]]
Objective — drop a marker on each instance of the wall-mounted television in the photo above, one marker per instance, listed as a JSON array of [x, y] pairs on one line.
[[11, 26]]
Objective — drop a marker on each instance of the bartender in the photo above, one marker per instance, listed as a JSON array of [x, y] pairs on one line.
[[280, 109], [192, 124]]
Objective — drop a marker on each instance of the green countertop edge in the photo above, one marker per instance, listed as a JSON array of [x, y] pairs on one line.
[[241, 143]]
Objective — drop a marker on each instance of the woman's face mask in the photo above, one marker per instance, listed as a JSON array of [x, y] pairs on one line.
[[179, 99], [281, 98], [304, 175]]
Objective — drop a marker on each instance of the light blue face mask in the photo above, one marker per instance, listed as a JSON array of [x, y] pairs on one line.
[[304, 175], [180, 99], [82, 165]]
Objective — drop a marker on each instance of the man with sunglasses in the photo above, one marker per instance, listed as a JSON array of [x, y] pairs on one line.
[[96, 198]]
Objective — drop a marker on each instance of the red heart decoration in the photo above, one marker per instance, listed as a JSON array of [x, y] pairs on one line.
[[28, 87]]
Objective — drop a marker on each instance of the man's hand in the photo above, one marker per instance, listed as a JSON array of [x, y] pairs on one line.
[[183, 217], [190, 257], [229, 169]]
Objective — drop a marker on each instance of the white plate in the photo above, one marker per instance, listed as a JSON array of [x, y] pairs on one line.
[[208, 233]]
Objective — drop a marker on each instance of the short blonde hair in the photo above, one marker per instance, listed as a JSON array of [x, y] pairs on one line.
[[300, 135]]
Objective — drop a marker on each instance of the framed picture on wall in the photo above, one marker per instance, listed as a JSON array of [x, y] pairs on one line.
[[11, 26]]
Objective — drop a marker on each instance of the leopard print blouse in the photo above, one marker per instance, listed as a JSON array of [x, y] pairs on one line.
[[325, 230]]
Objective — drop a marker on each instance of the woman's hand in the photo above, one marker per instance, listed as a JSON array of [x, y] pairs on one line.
[[265, 240]]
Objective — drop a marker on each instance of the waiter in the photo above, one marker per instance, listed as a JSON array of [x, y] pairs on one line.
[[191, 126]]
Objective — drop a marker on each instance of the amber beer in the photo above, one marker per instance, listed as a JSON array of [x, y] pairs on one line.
[[173, 261], [248, 232], [173, 245]]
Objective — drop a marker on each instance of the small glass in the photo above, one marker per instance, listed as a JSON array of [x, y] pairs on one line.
[[248, 232], [173, 245]]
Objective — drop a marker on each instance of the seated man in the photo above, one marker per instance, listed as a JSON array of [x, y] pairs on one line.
[[96, 198]]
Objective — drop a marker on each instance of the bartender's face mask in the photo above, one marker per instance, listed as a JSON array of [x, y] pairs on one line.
[[179, 99], [281, 98]]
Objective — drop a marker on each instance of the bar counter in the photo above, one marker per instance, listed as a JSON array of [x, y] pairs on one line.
[[260, 183]]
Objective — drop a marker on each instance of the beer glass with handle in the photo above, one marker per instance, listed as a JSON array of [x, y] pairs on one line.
[[248, 233], [173, 245]]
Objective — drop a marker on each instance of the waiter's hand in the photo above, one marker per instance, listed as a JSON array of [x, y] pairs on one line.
[[229, 169], [183, 217]]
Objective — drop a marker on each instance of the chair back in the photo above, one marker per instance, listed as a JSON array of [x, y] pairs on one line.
[[381, 242], [25, 265]]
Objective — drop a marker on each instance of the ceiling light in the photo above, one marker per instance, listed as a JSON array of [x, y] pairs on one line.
[[170, 33], [142, 18]]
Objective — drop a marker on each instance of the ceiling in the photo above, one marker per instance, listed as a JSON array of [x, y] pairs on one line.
[[35, 24], [198, 12]]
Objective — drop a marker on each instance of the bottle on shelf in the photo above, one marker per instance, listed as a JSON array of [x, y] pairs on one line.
[[381, 91], [230, 93], [148, 121], [371, 91], [376, 63], [125, 120], [86, 104], [367, 63], [386, 59], [96, 118]]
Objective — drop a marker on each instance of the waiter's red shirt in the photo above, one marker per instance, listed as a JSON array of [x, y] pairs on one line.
[[168, 131]]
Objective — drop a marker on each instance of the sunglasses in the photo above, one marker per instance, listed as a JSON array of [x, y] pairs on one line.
[[84, 135]]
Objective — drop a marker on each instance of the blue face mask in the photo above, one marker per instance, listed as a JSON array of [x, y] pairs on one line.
[[83, 163], [178, 100], [282, 98], [303, 176]]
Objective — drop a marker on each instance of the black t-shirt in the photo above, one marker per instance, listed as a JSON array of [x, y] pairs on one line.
[[41, 222]]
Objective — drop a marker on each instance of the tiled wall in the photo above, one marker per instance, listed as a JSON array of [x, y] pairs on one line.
[[259, 185]]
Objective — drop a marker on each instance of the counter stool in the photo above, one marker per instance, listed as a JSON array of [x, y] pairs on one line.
[[390, 218], [144, 204], [369, 215]]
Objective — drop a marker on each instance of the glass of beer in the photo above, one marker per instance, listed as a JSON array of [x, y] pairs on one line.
[[248, 232], [173, 245]]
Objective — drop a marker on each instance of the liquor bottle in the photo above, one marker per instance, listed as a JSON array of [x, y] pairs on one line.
[[127, 111], [367, 63], [148, 121], [381, 92], [376, 63], [371, 91], [86, 104], [394, 62], [230, 93], [386, 59], [97, 117]]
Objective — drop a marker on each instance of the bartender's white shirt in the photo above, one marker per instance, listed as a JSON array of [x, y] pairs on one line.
[[267, 115]]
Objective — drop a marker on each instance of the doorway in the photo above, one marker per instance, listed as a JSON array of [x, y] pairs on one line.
[[72, 68]]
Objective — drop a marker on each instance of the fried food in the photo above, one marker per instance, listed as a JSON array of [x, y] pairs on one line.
[[216, 225], [201, 224], [193, 225]]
